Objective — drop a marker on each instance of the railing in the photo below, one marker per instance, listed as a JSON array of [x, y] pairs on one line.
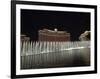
[[54, 54]]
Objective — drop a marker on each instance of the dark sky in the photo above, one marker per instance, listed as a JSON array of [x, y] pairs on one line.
[[73, 22]]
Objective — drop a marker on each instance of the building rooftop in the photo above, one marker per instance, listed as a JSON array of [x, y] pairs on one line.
[[55, 31]]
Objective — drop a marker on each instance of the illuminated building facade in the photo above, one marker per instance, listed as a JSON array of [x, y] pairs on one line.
[[24, 38], [50, 35]]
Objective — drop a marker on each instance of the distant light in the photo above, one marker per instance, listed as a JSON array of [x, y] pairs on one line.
[[55, 29]]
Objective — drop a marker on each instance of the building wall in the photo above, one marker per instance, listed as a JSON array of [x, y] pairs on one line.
[[24, 38], [45, 35]]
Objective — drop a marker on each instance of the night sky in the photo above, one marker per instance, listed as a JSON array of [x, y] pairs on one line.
[[73, 22]]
